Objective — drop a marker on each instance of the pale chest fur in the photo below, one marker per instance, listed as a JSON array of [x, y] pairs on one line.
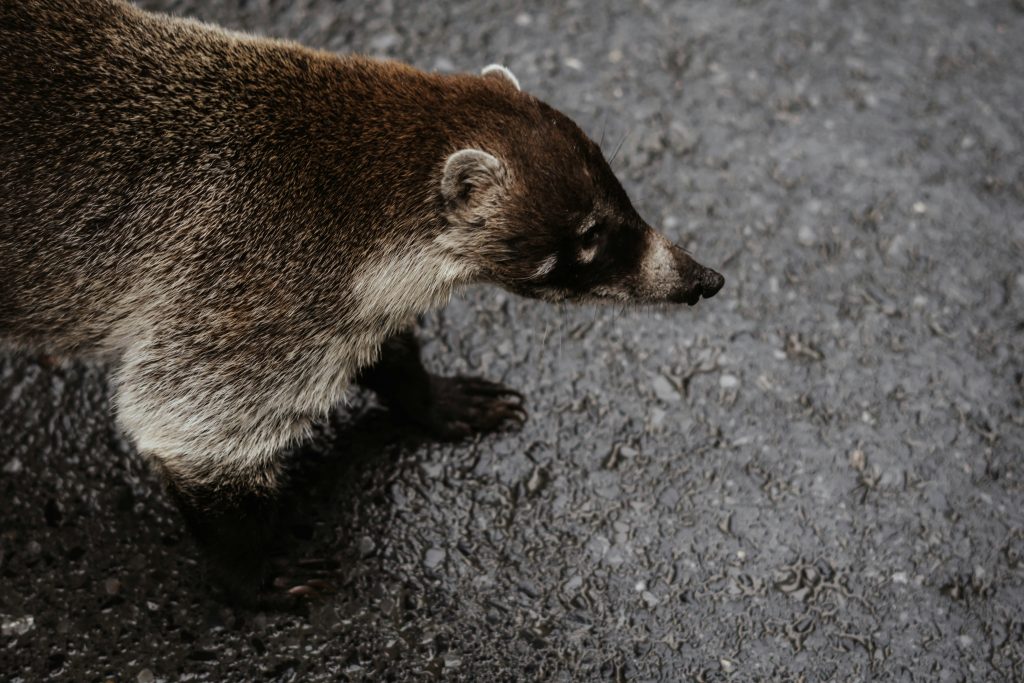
[[240, 424], [388, 293]]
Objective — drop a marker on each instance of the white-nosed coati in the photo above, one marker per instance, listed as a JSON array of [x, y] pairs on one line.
[[244, 226]]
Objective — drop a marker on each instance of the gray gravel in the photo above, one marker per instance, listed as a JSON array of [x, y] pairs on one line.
[[816, 475]]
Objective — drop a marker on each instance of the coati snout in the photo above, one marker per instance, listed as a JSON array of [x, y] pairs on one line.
[[244, 228], [536, 206]]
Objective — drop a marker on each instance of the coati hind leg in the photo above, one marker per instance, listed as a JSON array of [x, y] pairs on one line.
[[236, 529], [217, 422], [217, 437], [447, 407]]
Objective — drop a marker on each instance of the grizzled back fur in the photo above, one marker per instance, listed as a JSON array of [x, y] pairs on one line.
[[183, 199]]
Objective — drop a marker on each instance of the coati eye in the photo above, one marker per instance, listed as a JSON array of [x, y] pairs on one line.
[[591, 236], [590, 241]]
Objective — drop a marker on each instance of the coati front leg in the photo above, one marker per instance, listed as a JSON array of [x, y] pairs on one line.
[[446, 407]]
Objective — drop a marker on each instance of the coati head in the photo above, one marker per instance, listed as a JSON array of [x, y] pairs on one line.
[[535, 204]]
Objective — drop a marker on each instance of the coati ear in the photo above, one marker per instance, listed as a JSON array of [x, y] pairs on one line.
[[499, 71], [469, 174]]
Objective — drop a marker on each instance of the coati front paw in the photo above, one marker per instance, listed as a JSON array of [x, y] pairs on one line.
[[462, 406]]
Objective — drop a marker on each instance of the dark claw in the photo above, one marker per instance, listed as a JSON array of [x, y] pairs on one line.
[[487, 388], [314, 587], [303, 580]]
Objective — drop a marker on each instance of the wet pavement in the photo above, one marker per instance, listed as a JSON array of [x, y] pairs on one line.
[[817, 475]]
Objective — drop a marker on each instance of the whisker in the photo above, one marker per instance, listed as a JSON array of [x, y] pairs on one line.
[[619, 147]]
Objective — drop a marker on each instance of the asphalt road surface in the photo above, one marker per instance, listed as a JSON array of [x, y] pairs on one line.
[[817, 475]]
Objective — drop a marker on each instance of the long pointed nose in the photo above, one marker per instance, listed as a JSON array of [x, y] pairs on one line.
[[669, 274], [695, 280], [710, 282]]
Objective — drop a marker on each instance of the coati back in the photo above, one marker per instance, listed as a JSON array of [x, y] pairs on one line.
[[243, 227]]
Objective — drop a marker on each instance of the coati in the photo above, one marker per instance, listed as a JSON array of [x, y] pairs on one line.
[[243, 227]]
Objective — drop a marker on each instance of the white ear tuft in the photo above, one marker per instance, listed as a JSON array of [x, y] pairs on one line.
[[469, 172], [501, 72]]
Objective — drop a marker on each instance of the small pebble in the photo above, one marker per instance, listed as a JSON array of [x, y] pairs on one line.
[[18, 627], [729, 381], [444, 65], [538, 480], [145, 676], [857, 459], [384, 42], [434, 557], [664, 390], [806, 236]]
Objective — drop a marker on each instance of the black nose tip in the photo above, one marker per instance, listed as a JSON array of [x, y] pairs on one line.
[[711, 283]]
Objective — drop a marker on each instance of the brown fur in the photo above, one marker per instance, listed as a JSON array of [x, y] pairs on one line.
[[194, 201], [239, 223]]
